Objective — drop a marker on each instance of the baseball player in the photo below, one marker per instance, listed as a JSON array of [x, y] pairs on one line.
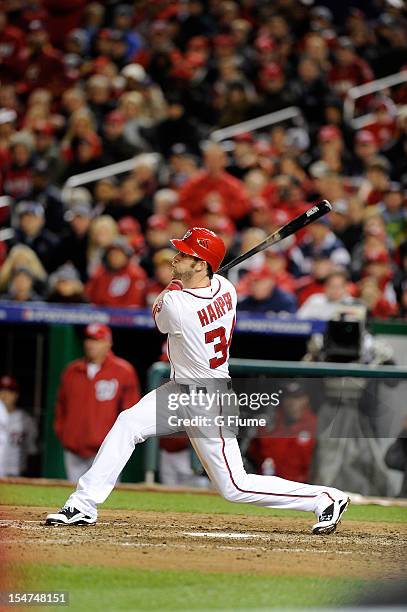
[[20, 431], [198, 311]]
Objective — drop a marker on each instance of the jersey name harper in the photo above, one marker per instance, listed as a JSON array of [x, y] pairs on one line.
[[216, 309], [199, 324]]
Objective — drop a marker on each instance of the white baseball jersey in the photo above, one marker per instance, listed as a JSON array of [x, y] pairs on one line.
[[199, 324], [4, 417], [21, 442]]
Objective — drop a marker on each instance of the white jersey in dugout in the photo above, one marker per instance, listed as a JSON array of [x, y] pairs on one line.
[[199, 324]]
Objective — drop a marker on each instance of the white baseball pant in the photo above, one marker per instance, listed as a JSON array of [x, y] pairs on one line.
[[220, 457]]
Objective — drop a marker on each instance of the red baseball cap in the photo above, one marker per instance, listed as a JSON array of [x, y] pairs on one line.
[[98, 331], [197, 43], [264, 43], [157, 222], [365, 137], [279, 217], [178, 213], [129, 225], [9, 383], [223, 40], [42, 126], [260, 274], [271, 72], [329, 132], [244, 137], [224, 225], [379, 257], [115, 117], [259, 203]]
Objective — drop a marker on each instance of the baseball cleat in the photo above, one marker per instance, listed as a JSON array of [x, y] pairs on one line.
[[330, 517], [68, 515]]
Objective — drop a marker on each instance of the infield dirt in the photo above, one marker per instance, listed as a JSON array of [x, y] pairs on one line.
[[207, 543]]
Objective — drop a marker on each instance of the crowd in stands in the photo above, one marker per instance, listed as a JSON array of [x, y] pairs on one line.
[[87, 84]]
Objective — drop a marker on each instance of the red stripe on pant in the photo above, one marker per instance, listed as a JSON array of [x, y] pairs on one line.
[[259, 492]]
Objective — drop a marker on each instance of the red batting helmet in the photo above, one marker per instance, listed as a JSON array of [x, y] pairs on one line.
[[204, 244]]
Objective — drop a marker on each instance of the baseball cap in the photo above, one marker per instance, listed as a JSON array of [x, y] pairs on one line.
[[379, 257], [244, 137], [328, 133], [271, 72], [344, 42], [198, 43], [123, 9], [41, 167], [98, 331], [157, 222], [279, 217], [341, 207], [67, 272], [23, 270], [74, 195], [321, 12], [30, 208], [42, 126], [380, 162], [121, 244], [135, 72], [36, 25], [260, 274], [129, 225], [223, 40], [224, 225], [394, 187], [294, 389], [7, 115], [264, 43], [79, 209], [365, 137], [319, 169], [115, 117], [8, 382], [178, 213], [259, 203]]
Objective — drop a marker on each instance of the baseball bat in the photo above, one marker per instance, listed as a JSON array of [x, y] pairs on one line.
[[316, 211]]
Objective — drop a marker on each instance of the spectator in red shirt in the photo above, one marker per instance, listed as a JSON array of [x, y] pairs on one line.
[[16, 173], [365, 151], [40, 65], [384, 124], [348, 70], [93, 391], [62, 17], [371, 294], [119, 281], [11, 43], [214, 179], [315, 282], [286, 448]]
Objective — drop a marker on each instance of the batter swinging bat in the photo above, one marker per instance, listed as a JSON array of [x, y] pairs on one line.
[[316, 211]]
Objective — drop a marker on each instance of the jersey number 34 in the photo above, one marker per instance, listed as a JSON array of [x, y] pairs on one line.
[[221, 347]]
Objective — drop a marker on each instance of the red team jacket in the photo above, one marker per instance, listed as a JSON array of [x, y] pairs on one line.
[[86, 409], [125, 287], [289, 446], [232, 192]]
